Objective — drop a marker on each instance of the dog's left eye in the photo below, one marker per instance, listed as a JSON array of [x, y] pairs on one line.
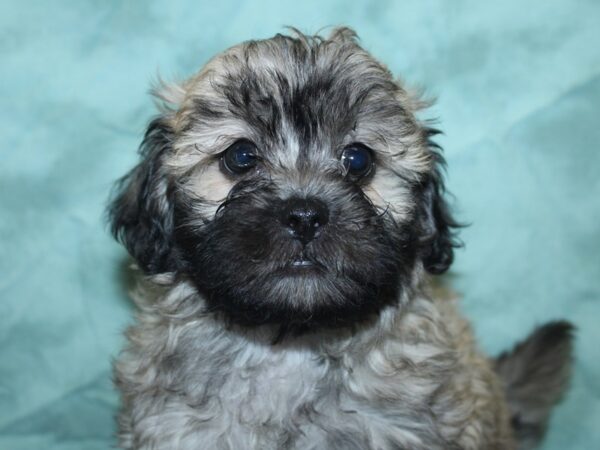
[[240, 157], [357, 160]]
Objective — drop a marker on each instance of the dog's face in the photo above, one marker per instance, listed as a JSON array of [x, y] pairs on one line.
[[291, 182]]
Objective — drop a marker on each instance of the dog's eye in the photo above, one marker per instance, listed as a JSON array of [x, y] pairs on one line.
[[357, 160], [239, 157]]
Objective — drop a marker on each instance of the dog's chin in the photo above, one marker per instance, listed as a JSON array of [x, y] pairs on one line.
[[302, 295]]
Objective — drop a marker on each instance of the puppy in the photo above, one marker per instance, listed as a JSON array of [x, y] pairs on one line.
[[287, 215]]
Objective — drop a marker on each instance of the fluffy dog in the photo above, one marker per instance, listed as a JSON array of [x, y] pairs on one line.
[[287, 215]]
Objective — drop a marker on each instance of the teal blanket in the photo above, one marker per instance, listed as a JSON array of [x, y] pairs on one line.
[[518, 87]]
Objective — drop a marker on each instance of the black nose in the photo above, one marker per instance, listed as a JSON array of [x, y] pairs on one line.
[[304, 218]]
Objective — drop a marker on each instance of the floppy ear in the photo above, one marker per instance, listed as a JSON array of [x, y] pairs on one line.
[[438, 227], [141, 212]]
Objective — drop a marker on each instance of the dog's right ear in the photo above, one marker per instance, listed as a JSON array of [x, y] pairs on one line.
[[141, 211]]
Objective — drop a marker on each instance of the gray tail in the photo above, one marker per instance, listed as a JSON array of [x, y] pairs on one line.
[[536, 374]]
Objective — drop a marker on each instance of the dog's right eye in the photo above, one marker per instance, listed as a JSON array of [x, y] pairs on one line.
[[239, 157]]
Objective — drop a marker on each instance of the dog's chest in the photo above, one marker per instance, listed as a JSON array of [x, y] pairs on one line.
[[265, 387], [261, 397]]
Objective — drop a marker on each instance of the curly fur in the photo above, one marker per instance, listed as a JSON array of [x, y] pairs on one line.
[[231, 348]]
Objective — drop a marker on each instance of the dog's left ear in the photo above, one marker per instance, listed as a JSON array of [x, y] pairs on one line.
[[141, 211], [438, 227]]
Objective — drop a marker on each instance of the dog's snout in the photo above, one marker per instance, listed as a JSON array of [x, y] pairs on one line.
[[304, 218]]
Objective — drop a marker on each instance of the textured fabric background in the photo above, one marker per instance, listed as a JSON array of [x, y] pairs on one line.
[[519, 100]]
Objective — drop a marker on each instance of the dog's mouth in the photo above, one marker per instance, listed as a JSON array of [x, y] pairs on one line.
[[303, 264]]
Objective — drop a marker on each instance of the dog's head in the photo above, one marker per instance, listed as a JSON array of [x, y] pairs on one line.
[[291, 182]]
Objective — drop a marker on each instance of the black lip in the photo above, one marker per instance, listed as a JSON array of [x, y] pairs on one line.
[[303, 263]]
